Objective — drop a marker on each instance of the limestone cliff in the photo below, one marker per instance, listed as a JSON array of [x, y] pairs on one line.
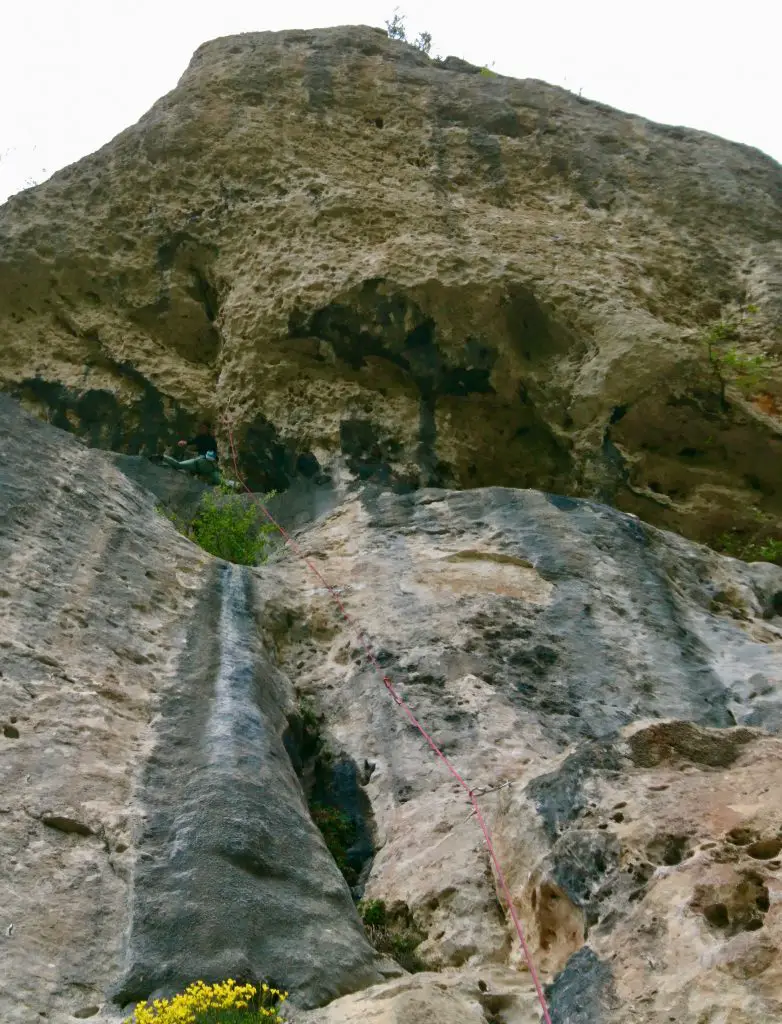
[[613, 692], [441, 277]]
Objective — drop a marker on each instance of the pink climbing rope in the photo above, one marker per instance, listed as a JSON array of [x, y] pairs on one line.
[[400, 702]]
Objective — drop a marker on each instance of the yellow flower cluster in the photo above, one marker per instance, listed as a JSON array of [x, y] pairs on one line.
[[200, 1001]]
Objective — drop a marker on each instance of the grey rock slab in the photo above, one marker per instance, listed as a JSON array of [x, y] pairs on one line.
[[154, 831], [232, 878]]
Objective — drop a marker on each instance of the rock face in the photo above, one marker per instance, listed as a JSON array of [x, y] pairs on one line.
[[612, 692], [148, 803], [440, 276]]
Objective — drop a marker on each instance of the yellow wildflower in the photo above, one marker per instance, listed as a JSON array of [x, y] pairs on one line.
[[199, 999]]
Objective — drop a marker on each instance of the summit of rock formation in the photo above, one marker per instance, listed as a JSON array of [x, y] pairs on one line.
[[434, 274]]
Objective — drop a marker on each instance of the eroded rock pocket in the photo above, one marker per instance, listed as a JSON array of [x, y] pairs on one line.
[[733, 907], [333, 785]]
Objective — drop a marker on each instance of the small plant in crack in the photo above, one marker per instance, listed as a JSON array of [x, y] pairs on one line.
[[397, 29], [738, 544], [393, 932], [729, 360], [339, 834]]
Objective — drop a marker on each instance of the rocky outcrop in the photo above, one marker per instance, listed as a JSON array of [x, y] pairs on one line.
[[154, 829], [609, 689], [442, 277], [612, 692]]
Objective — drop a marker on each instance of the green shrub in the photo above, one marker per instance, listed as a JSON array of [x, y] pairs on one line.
[[397, 29], [393, 932], [749, 549], [227, 526], [339, 833], [770, 551], [373, 913], [728, 362], [423, 42]]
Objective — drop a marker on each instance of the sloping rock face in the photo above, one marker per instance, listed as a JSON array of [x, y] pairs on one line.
[[613, 693], [443, 277], [154, 830], [610, 689]]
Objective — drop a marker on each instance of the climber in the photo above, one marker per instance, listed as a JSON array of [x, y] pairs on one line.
[[204, 466], [203, 442]]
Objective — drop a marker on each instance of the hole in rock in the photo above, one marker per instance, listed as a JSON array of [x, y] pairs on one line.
[[740, 836], [717, 915], [765, 849], [68, 825], [733, 907], [668, 850]]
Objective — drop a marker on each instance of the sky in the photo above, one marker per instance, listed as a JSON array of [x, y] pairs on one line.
[[74, 74]]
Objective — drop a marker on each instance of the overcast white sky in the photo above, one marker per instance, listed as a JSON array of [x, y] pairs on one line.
[[74, 73]]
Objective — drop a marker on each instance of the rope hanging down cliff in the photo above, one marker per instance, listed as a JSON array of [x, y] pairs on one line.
[[400, 702]]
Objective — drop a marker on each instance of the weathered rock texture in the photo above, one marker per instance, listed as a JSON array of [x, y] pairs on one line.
[[443, 277], [612, 691], [154, 830]]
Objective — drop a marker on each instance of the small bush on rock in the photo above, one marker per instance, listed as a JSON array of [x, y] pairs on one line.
[[397, 29], [226, 525], [749, 549], [223, 1003], [730, 363], [393, 932], [373, 913], [339, 834]]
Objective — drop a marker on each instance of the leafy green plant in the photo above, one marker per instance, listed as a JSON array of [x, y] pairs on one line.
[[729, 363], [393, 932], [397, 29], [771, 551], [749, 549], [373, 913], [227, 526], [488, 73], [423, 42], [339, 833]]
